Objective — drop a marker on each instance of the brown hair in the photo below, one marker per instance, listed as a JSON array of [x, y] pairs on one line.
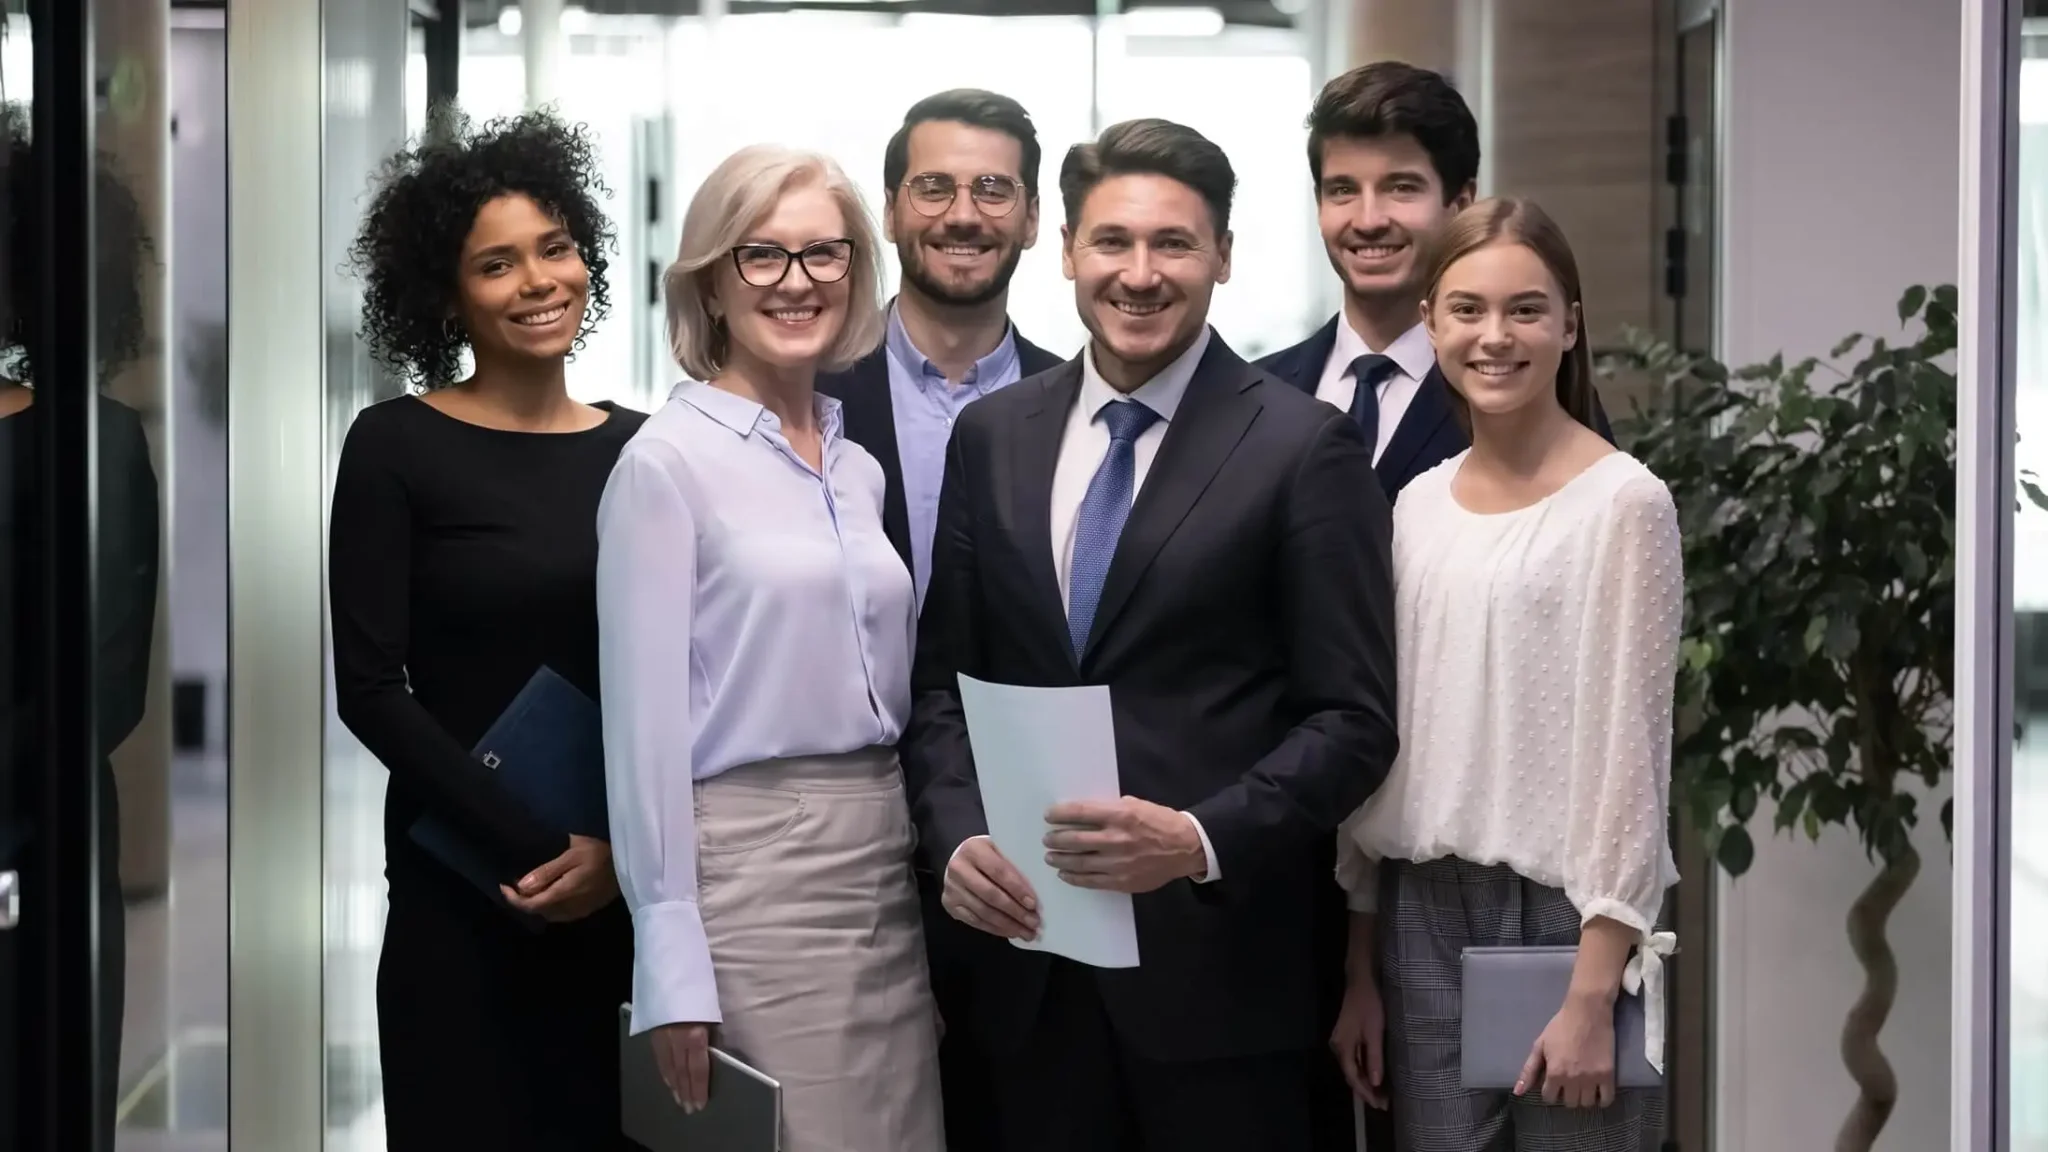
[[1510, 220], [1150, 147], [1389, 98]]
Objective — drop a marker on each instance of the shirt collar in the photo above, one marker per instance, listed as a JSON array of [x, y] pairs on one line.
[[1162, 393], [1411, 351], [982, 376], [742, 415]]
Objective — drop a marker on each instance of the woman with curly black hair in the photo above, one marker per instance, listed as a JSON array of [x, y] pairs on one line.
[[464, 555]]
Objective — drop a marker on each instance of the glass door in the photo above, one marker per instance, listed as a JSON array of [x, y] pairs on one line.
[[86, 732], [60, 970]]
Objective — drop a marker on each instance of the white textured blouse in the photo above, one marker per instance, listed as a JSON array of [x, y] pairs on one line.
[[1536, 651]]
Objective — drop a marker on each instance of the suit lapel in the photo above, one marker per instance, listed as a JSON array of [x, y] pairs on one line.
[[870, 415], [1038, 453], [1310, 355], [1212, 419], [1419, 424], [1031, 359]]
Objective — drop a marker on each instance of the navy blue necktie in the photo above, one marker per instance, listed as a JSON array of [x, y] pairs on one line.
[[1102, 515], [1370, 371]]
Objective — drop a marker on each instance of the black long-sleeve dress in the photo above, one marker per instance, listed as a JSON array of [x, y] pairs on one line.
[[125, 595], [462, 559]]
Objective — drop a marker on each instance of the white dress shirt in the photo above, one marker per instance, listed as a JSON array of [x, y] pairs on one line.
[[1082, 448], [1413, 356], [749, 608]]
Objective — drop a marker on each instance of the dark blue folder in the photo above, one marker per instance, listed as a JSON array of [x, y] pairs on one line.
[[547, 748]]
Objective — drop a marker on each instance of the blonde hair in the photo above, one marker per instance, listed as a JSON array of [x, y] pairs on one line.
[[733, 199]]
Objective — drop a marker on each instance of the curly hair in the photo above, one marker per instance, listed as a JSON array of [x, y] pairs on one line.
[[409, 250], [122, 249]]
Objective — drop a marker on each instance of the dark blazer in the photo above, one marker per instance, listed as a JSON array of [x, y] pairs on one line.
[[1246, 634], [1428, 434], [869, 417]]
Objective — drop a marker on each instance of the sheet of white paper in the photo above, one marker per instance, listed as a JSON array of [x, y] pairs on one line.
[[1033, 748]]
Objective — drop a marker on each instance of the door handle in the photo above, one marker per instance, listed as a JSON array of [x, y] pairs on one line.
[[10, 899]]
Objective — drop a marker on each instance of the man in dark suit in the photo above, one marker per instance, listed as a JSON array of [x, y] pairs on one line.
[[961, 206], [1160, 517]]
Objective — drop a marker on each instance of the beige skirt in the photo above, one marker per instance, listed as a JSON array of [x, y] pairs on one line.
[[804, 883]]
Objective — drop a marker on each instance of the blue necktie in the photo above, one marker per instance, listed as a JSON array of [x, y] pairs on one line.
[[1102, 515], [1370, 370]]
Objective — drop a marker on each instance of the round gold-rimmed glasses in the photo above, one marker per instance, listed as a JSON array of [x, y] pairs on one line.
[[932, 193]]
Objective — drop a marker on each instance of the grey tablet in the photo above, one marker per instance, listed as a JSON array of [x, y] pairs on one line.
[[1510, 995], [744, 1113]]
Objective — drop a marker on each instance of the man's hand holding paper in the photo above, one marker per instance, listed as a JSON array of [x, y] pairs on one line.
[[985, 891], [1123, 845]]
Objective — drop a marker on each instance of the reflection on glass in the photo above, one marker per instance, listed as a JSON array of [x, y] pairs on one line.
[[131, 669], [128, 517], [2029, 916], [18, 543], [159, 594]]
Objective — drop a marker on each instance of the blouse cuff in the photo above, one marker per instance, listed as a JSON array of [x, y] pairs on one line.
[[1359, 875], [672, 978], [1644, 974]]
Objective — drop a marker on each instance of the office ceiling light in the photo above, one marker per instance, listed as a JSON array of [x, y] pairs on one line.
[[575, 21], [509, 21], [1172, 22]]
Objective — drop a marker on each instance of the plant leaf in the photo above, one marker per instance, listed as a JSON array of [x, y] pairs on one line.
[[1911, 303], [1735, 852]]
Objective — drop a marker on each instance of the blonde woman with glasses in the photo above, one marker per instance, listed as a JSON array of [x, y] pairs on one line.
[[755, 630]]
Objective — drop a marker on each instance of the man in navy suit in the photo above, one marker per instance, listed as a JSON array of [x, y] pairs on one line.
[[1393, 152], [961, 204]]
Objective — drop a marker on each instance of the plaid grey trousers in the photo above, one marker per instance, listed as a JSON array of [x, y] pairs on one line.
[[1430, 912]]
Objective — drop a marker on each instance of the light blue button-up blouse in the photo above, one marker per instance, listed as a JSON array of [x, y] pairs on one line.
[[749, 608]]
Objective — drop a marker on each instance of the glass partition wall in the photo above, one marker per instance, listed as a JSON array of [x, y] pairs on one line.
[[113, 775]]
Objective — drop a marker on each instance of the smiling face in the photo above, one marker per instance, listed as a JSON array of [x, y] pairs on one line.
[[523, 285], [1145, 257], [783, 290], [961, 250], [1501, 326], [1379, 207]]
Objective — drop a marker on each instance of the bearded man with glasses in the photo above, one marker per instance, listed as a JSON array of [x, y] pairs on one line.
[[961, 206]]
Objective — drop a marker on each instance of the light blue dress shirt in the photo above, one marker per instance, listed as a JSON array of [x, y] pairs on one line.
[[748, 608], [925, 407]]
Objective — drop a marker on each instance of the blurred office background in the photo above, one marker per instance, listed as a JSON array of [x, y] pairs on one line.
[[1745, 177]]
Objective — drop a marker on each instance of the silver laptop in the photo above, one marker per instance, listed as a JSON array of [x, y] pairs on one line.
[[743, 1113], [1510, 995]]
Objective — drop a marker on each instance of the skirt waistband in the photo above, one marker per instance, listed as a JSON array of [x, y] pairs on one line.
[[864, 770]]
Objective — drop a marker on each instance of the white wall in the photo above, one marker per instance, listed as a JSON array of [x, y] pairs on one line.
[[1839, 185]]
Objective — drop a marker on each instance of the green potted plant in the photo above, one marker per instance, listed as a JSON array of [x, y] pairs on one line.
[[1816, 500]]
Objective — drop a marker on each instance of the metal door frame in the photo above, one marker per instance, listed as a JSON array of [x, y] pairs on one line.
[[1986, 356], [62, 1103], [276, 611]]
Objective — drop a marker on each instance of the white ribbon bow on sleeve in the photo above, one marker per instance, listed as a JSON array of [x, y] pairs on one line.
[[1645, 974]]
